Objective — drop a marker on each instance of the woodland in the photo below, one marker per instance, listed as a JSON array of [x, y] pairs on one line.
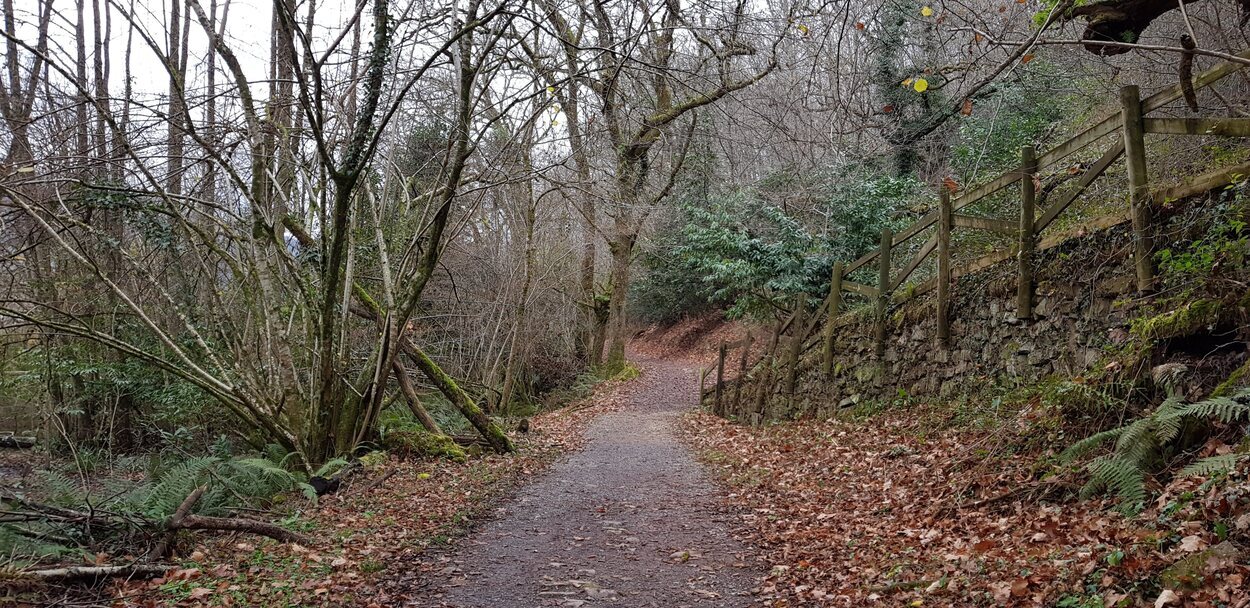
[[272, 273]]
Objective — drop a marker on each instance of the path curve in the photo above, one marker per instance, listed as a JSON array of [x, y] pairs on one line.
[[613, 524]]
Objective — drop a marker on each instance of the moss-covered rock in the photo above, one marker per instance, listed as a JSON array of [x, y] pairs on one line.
[[1180, 322], [1240, 378], [1188, 573], [420, 443]]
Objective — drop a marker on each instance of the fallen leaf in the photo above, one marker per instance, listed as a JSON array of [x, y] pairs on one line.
[[1167, 597], [1192, 543]]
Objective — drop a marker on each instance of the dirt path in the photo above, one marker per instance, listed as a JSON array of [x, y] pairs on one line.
[[602, 527]]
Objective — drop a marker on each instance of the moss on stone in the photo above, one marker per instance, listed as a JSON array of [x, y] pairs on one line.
[[1188, 573], [420, 443], [1179, 322], [629, 371], [1238, 379]]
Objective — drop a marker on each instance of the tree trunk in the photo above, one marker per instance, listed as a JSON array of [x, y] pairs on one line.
[[450, 389], [1120, 21], [622, 250], [410, 395]]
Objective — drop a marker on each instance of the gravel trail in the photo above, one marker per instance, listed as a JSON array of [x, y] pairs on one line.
[[630, 520]]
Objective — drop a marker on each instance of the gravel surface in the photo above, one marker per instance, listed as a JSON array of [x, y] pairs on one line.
[[630, 520]]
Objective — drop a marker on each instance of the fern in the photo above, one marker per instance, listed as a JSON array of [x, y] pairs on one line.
[[1089, 444], [1119, 476], [1141, 444], [28, 546], [332, 467], [1139, 441], [1212, 465], [230, 482], [1227, 409], [161, 498], [61, 489]]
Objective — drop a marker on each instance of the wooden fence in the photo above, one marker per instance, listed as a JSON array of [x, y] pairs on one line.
[[1131, 121]]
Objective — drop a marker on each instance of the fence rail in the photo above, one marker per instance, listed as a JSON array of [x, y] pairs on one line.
[[1130, 122]]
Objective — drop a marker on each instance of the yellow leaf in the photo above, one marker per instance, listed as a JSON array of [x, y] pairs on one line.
[[907, 83], [921, 85], [926, 11], [803, 28]]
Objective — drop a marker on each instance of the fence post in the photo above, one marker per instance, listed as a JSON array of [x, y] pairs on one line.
[[764, 385], [702, 385], [720, 378], [796, 347], [944, 269], [1139, 189], [835, 303], [1028, 200], [883, 289], [742, 372]]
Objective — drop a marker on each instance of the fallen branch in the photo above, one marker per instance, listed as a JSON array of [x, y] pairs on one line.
[[377, 482], [251, 526], [171, 526], [180, 520], [81, 572], [466, 441]]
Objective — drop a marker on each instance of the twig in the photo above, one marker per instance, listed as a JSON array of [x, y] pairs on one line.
[[1040, 488], [900, 586]]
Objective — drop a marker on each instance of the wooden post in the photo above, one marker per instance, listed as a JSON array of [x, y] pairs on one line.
[[883, 289], [1028, 200], [765, 383], [720, 379], [742, 372], [1139, 189], [945, 217], [796, 346], [702, 385], [835, 304]]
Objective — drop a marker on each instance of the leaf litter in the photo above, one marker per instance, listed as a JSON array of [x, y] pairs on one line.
[[886, 512]]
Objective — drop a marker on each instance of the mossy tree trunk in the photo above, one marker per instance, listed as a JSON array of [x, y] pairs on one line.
[[447, 385]]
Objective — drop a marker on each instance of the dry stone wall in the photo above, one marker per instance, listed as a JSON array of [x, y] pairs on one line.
[[1084, 299]]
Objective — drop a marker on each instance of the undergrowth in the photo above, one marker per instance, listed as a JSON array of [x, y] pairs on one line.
[[230, 484], [1147, 444]]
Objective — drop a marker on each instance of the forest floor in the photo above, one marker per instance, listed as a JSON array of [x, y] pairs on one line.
[[909, 507]]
